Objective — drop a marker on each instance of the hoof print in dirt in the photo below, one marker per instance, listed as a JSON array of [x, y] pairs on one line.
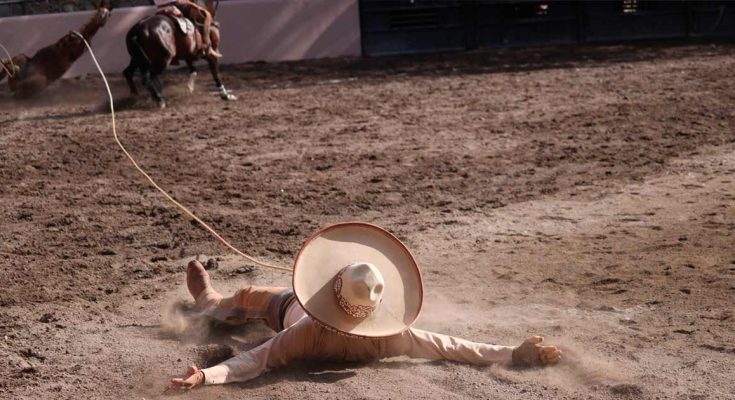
[[211, 264], [48, 317], [29, 353], [627, 390], [245, 270], [27, 368]]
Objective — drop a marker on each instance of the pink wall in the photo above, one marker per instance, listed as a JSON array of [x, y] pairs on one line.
[[252, 30]]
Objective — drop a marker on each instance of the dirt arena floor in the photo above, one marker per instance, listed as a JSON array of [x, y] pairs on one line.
[[587, 195]]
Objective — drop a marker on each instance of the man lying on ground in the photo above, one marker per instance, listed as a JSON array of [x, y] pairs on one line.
[[356, 292]]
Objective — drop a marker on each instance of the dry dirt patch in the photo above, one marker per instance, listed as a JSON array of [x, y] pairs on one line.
[[582, 194]]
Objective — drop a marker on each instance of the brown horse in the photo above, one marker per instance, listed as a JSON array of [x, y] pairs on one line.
[[30, 75], [158, 41]]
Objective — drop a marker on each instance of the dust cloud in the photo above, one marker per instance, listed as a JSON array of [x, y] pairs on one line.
[[582, 368], [179, 320]]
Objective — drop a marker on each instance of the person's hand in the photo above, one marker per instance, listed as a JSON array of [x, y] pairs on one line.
[[531, 353], [194, 378]]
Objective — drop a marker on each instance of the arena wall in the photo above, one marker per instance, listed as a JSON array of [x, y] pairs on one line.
[[252, 30]]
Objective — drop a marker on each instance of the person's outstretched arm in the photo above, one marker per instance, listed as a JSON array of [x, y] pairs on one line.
[[245, 366], [417, 343], [289, 344]]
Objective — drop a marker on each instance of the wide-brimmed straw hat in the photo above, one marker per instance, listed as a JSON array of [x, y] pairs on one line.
[[358, 279]]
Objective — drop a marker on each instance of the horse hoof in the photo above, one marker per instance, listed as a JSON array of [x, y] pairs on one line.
[[228, 97], [161, 104]]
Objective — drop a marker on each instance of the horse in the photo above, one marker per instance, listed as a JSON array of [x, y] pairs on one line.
[[28, 76], [157, 41]]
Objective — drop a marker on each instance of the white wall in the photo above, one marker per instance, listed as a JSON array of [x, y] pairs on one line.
[[252, 30]]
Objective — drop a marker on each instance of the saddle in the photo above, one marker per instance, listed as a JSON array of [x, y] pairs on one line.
[[185, 25]]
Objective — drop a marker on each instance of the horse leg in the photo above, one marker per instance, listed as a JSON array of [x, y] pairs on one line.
[[156, 89], [155, 86], [30, 87], [214, 69], [149, 81], [192, 76], [129, 73], [3, 73], [145, 74]]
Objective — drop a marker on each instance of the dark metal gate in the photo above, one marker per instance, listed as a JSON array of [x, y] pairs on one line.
[[405, 26], [414, 26]]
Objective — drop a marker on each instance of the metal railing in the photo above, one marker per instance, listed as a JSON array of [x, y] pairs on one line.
[[416, 26], [9, 8]]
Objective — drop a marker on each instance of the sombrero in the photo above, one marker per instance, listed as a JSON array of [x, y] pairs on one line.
[[358, 279]]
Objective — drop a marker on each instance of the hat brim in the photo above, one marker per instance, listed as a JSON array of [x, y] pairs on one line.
[[332, 248]]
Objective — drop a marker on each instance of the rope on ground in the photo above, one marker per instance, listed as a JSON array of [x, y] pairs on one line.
[[155, 185]]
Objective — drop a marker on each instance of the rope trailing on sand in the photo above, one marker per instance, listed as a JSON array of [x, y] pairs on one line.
[[11, 74], [165, 194]]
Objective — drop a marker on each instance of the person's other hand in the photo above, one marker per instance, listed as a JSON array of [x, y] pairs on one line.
[[532, 353], [194, 378]]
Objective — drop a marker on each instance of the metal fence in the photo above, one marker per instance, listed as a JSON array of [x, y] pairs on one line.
[[414, 26], [9, 8]]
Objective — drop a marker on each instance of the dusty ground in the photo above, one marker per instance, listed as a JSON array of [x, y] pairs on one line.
[[585, 195]]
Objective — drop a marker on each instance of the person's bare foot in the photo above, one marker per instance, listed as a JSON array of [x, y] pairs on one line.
[[197, 281]]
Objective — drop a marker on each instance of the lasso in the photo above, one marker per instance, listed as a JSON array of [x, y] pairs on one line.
[[179, 205]]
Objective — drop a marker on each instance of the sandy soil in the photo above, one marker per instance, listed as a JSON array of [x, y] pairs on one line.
[[582, 194]]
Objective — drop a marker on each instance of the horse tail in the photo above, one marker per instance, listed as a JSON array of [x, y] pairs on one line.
[[135, 48]]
